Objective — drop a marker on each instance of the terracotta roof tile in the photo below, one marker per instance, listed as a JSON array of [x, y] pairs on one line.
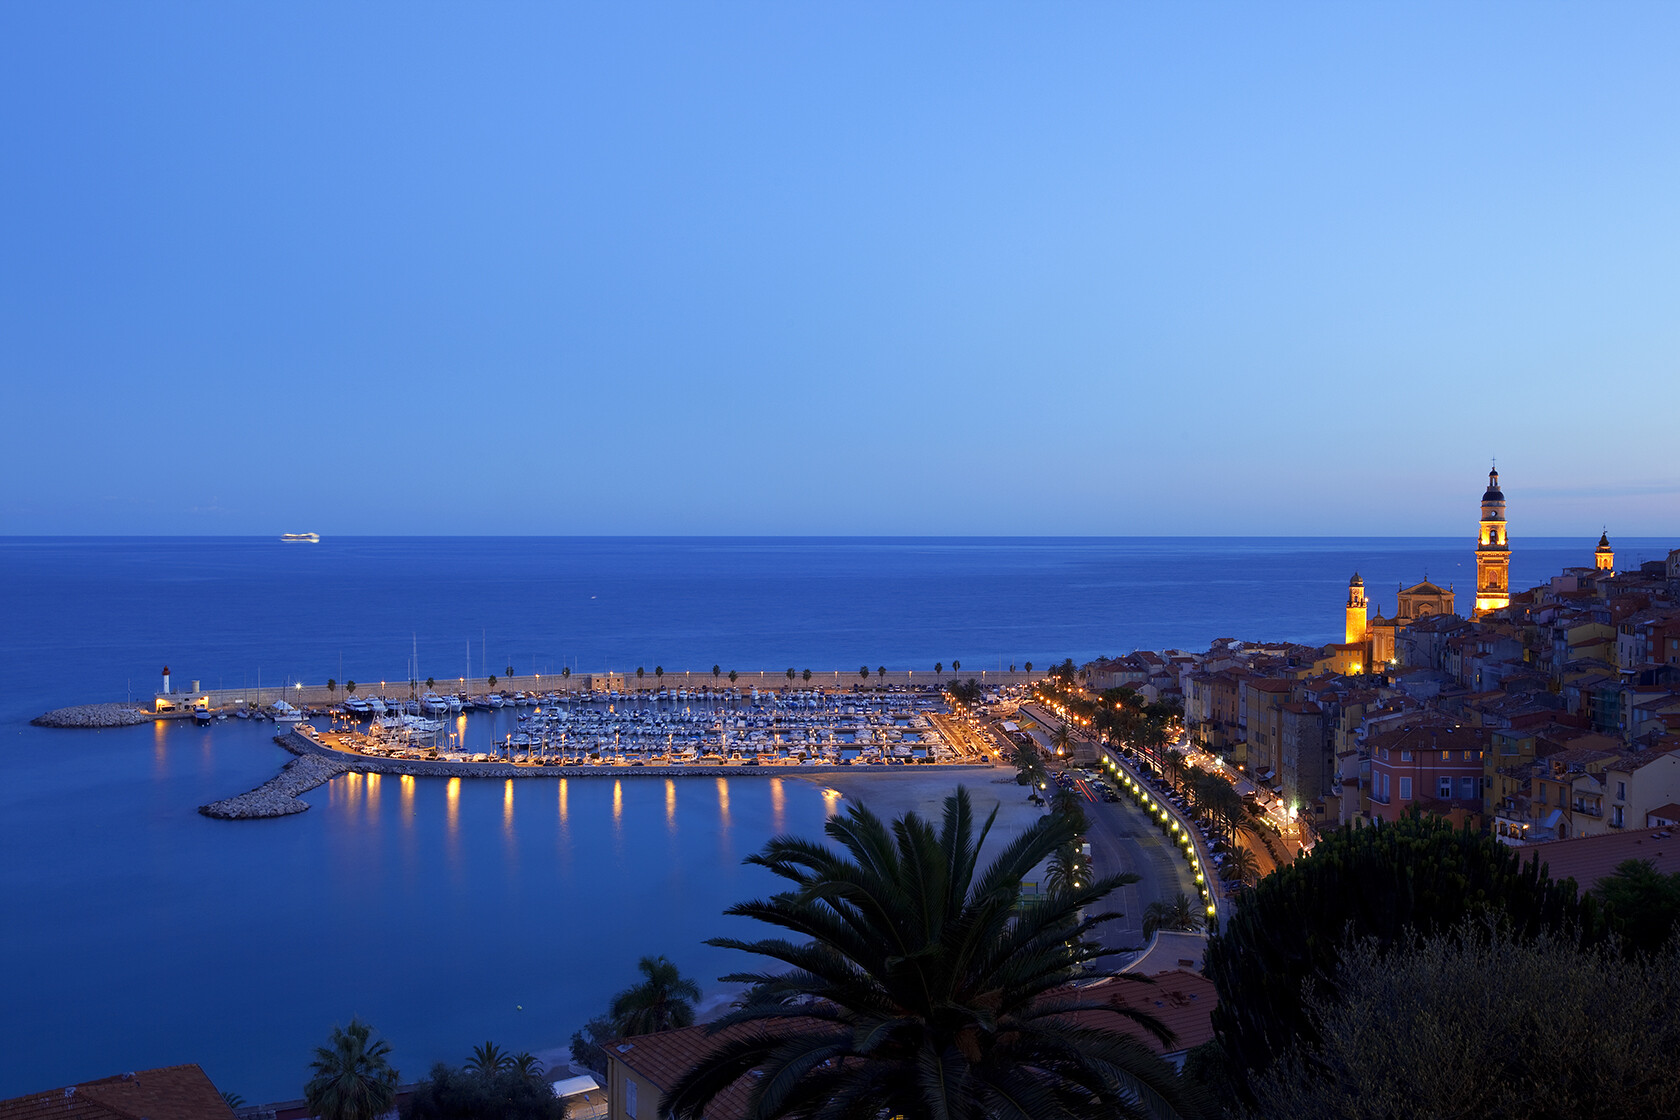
[[171, 1093]]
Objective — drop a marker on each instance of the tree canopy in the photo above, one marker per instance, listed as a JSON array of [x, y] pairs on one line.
[[1382, 882], [1476, 1021]]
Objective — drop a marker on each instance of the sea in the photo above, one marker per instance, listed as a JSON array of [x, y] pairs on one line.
[[135, 932]]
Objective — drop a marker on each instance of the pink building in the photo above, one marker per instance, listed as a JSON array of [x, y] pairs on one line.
[[1432, 764]]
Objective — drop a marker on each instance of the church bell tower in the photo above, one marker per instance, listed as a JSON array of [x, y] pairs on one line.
[[1604, 557], [1493, 552], [1356, 619]]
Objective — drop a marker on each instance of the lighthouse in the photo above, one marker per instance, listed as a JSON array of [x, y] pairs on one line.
[[166, 680]]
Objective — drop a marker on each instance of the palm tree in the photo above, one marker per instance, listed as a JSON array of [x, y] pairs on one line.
[[659, 674], [487, 1059], [664, 1001], [1242, 865], [864, 672], [640, 672], [430, 684], [790, 676], [527, 1066], [332, 687], [1178, 914], [807, 675], [1061, 738], [918, 985], [956, 666], [1068, 870], [881, 672], [715, 672], [565, 672], [233, 1100], [1029, 666], [350, 687], [938, 667], [510, 672], [492, 681], [733, 675], [353, 1078]]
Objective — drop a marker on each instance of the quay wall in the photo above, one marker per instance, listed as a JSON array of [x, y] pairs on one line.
[[830, 680], [300, 744]]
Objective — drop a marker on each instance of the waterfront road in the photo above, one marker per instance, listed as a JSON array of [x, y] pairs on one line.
[[1124, 838]]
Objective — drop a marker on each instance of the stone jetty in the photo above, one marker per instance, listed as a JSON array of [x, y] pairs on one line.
[[94, 715], [278, 797]]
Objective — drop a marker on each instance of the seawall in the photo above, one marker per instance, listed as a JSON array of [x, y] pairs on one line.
[[318, 764]]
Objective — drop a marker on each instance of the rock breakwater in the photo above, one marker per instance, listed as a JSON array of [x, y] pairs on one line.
[[93, 715], [278, 797]]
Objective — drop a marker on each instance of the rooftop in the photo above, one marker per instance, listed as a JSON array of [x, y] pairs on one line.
[[170, 1093], [1588, 859]]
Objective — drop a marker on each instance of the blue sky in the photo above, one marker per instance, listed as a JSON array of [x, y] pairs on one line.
[[821, 268]]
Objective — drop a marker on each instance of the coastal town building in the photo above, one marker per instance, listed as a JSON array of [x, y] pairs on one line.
[[175, 1092]]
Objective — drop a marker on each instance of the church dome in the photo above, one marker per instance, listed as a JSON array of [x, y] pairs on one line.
[[1356, 581], [1494, 493]]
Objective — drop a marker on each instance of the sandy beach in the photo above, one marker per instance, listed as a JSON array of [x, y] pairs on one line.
[[893, 793]]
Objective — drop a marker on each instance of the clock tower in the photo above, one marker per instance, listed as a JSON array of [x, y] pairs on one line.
[[1493, 552]]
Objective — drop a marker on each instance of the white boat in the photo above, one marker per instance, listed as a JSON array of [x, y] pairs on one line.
[[356, 705], [495, 700], [432, 703], [300, 538], [376, 705], [284, 713], [453, 702]]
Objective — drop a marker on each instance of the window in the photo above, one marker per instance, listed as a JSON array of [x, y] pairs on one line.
[[1385, 754], [630, 1098], [1621, 792], [1444, 788], [1467, 788], [1385, 789], [1405, 756], [1616, 816], [1446, 756], [1405, 789]]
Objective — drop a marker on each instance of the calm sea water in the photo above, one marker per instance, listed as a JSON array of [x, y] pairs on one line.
[[134, 932]]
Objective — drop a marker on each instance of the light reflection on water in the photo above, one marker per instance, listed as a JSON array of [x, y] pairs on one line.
[[619, 869]]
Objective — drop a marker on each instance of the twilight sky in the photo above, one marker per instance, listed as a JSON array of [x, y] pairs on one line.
[[838, 268]]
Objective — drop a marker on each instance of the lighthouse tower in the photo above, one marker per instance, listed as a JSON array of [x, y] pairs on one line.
[[1356, 619], [166, 680], [1493, 552], [1604, 557]]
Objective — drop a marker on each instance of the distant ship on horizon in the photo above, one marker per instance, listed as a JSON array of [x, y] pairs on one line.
[[300, 538]]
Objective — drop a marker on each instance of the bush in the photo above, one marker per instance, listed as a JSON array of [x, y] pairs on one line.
[[1384, 882], [1477, 1021]]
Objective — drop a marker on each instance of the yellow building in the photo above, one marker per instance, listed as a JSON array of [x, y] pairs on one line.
[[1604, 558], [1493, 552], [1370, 641]]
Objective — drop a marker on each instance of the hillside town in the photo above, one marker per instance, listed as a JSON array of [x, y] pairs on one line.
[[1551, 713]]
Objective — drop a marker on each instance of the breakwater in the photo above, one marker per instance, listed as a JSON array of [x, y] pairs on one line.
[[278, 797], [317, 763], [93, 715]]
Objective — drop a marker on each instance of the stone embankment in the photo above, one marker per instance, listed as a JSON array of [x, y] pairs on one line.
[[301, 744], [318, 764], [278, 797], [93, 715]]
